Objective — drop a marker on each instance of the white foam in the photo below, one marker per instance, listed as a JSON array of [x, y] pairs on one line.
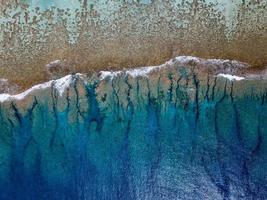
[[60, 85], [144, 71], [216, 62], [6, 97], [109, 74], [231, 77], [186, 59], [136, 72], [3, 80]]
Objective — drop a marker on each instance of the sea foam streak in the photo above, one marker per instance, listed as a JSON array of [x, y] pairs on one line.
[[182, 60], [61, 84], [231, 77]]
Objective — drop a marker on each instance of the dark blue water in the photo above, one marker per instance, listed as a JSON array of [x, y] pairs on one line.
[[169, 136]]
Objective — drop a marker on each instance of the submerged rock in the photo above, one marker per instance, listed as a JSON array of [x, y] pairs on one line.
[[164, 132]]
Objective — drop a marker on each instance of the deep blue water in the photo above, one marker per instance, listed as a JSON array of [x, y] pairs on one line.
[[167, 137]]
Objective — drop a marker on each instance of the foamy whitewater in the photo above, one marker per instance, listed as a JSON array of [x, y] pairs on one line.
[[182, 60], [61, 84], [231, 77], [198, 125]]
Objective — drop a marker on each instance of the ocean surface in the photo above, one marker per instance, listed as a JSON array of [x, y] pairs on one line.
[[187, 129], [90, 111]]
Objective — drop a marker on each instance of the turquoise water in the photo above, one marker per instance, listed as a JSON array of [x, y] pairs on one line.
[[173, 135]]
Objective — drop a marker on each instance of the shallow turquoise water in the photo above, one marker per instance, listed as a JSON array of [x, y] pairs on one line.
[[136, 138]]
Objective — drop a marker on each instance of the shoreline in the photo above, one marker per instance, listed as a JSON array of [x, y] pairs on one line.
[[228, 69]]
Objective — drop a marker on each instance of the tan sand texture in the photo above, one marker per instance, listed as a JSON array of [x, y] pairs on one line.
[[86, 36]]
